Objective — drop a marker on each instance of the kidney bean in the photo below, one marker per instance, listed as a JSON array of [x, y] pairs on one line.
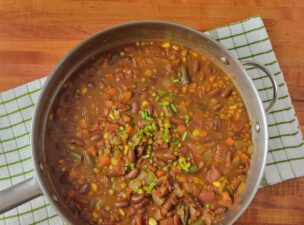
[[176, 220], [122, 204], [131, 156], [160, 162], [77, 141], [213, 92], [217, 107], [206, 197], [138, 198], [227, 92], [220, 210], [168, 204], [195, 66], [213, 174], [216, 123], [96, 137], [133, 174], [140, 205], [84, 189], [140, 150], [165, 156], [150, 109], [163, 146], [138, 220]]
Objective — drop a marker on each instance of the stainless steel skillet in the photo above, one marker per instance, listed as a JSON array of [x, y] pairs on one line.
[[116, 36]]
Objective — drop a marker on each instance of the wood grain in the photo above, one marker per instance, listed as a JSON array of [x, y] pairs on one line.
[[34, 35]]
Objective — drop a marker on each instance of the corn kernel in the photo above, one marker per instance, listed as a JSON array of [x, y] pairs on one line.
[[194, 54], [196, 180], [113, 161], [93, 187], [166, 45], [144, 103], [95, 215], [217, 184], [196, 133], [232, 107], [126, 149], [122, 212], [152, 221], [111, 192], [84, 90]]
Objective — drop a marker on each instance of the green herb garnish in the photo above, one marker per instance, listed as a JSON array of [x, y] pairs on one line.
[[145, 115]]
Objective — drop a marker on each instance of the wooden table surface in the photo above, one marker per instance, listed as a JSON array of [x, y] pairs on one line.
[[34, 35]]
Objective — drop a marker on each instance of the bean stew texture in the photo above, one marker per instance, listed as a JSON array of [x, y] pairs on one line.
[[149, 133]]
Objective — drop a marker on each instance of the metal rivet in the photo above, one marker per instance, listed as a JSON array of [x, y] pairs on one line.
[[257, 127], [55, 197], [224, 60]]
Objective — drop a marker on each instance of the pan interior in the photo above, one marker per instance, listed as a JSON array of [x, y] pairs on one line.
[[156, 31]]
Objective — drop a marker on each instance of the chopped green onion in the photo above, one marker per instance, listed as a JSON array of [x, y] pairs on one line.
[[185, 135], [165, 103], [173, 107], [145, 115], [162, 93], [175, 81], [184, 164]]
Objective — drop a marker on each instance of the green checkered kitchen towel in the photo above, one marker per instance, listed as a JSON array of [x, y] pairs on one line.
[[246, 40]]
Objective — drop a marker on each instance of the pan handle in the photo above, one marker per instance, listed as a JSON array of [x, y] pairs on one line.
[[19, 194], [273, 82]]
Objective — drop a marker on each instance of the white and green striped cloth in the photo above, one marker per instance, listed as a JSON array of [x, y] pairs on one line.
[[246, 40]]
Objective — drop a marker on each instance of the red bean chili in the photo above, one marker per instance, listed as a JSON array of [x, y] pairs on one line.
[[149, 133]]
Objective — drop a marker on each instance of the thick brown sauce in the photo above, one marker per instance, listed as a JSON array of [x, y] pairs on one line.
[[149, 133]]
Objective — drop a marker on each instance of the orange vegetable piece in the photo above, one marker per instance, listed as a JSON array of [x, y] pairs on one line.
[[129, 129], [73, 174], [105, 160], [226, 200], [111, 91], [125, 96], [244, 157], [203, 133], [160, 173], [182, 179], [181, 128], [229, 141]]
